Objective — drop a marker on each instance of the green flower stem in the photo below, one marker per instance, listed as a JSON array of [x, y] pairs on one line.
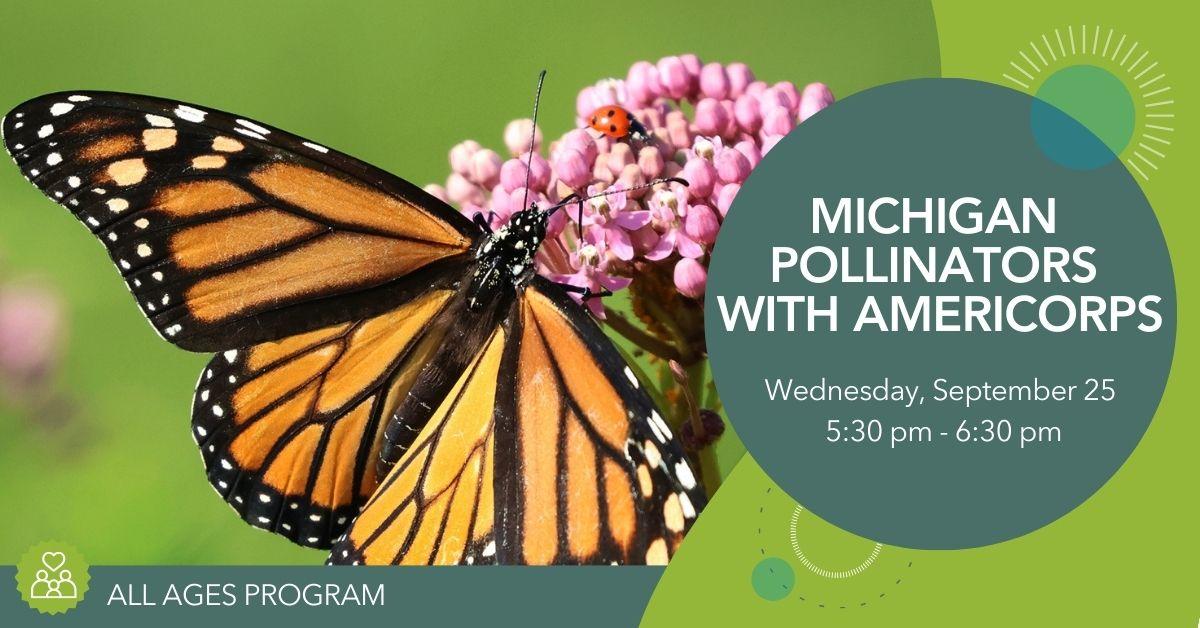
[[634, 334]]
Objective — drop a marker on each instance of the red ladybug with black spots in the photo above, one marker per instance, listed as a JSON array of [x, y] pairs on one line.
[[616, 122]]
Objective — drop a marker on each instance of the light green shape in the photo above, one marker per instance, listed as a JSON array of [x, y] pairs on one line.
[[1094, 98], [1127, 556]]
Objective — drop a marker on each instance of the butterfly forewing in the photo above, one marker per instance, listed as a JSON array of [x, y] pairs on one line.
[[229, 232]]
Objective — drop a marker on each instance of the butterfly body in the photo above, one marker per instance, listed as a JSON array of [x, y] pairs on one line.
[[390, 379], [506, 256]]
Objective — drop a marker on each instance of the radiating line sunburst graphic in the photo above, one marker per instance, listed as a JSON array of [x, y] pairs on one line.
[[1141, 142]]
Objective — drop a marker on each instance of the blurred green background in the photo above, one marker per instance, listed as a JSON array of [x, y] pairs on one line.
[[104, 460]]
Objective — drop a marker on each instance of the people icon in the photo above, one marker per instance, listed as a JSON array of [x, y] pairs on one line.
[[41, 585], [66, 585], [61, 586]]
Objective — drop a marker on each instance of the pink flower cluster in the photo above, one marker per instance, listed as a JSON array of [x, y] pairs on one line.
[[671, 227]]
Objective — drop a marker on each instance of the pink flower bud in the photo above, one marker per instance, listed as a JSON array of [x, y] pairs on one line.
[[768, 142], [731, 128], [725, 197], [700, 175], [788, 90], [460, 156], [436, 191], [778, 121], [642, 83], [485, 168], [571, 167], [816, 96], [620, 156], [540, 178], [677, 130], [711, 118], [600, 171], [650, 160], [674, 77], [701, 224], [512, 173], [740, 77], [714, 83], [581, 141], [747, 112], [692, 63], [462, 191], [516, 136], [770, 99], [756, 88], [690, 277], [750, 150], [732, 166], [631, 177], [585, 103]]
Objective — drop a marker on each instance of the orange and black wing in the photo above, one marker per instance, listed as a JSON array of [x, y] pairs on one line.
[[290, 430], [546, 451], [229, 232]]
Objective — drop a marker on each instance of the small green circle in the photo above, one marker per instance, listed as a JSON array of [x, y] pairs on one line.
[[1094, 98], [52, 577], [773, 579]]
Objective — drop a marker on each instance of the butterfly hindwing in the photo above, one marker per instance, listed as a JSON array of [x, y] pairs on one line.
[[290, 430], [229, 232], [586, 443], [568, 459]]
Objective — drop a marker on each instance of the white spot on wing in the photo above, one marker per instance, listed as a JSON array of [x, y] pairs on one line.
[[684, 473], [632, 378], [160, 121], [53, 159], [662, 425], [231, 355], [689, 510], [248, 133], [191, 114], [78, 98], [254, 127], [316, 147], [45, 131], [59, 108]]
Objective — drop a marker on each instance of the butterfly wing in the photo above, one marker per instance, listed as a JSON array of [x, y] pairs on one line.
[[546, 451], [229, 232], [290, 430]]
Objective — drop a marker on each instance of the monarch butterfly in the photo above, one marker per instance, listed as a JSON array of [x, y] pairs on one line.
[[390, 379]]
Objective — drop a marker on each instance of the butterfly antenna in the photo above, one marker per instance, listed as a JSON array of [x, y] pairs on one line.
[[537, 97], [575, 198]]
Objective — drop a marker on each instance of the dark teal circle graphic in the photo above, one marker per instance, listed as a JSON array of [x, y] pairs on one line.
[[772, 579], [959, 476], [1082, 117]]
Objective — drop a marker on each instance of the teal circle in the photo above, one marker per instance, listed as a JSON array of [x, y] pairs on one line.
[[773, 579], [1082, 117], [930, 139]]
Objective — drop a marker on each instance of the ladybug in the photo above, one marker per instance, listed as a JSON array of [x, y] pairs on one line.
[[616, 122]]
